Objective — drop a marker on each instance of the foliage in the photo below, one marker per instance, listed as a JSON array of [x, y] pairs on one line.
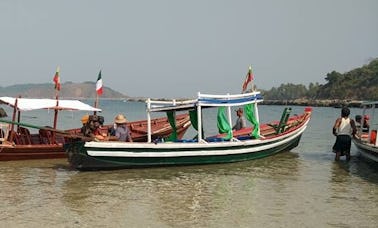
[[358, 84]]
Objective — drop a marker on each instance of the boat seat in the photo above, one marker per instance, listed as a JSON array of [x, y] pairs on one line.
[[45, 137], [25, 136], [15, 137], [280, 127], [59, 139]]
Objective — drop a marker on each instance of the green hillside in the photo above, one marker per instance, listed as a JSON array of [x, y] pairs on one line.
[[358, 84]]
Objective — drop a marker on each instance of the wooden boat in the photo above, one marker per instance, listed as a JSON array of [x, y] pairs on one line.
[[18, 143], [366, 141], [259, 141], [160, 128]]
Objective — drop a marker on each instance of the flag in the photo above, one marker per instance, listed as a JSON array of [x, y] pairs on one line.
[[99, 84], [56, 79], [248, 78]]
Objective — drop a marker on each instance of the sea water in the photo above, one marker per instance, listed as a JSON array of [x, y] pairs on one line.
[[303, 187]]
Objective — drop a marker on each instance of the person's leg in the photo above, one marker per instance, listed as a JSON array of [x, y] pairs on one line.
[[348, 146], [347, 153], [337, 156]]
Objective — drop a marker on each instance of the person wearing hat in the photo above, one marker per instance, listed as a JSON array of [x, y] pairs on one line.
[[122, 132], [240, 121], [85, 129]]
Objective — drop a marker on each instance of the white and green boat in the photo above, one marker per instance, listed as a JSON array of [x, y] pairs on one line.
[[254, 142]]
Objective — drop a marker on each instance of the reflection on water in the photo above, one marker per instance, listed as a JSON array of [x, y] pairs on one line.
[[193, 195]]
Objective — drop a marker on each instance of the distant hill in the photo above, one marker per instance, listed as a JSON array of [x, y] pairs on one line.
[[358, 84], [68, 90]]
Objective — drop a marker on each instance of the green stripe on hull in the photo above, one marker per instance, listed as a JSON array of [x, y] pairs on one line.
[[80, 160]]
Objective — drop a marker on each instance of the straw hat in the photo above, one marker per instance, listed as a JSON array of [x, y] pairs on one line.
[[120, 119], [85, 119]]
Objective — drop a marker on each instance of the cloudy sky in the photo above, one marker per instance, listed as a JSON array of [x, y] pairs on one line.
[[176, 48]]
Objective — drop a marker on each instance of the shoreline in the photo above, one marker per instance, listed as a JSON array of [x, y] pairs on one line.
[[300, 102], [316, 103], [336, 103]]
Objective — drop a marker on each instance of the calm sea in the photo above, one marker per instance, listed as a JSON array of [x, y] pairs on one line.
[[299, 188]]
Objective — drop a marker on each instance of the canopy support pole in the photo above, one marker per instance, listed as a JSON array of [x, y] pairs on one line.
[[148, 120], [199, 116]]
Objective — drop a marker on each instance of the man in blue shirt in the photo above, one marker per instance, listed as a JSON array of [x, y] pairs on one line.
[[122, 132]]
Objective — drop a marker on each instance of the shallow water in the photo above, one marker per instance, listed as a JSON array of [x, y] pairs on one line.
[[299, 188]]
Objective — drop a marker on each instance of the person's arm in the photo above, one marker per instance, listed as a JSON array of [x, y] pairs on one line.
[[243, 123], [128, 138], [354, 128], [117, 133], [335, 126], [236, 124]]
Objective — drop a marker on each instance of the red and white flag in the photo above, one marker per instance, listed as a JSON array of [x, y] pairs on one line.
[[99, 86], [56, 79], [248, 79]]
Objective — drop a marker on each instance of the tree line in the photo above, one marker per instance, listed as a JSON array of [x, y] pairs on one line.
[[358, 84]]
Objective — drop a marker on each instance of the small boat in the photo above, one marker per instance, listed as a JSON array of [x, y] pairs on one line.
[[366, 138], [18, 143], [254, 142]]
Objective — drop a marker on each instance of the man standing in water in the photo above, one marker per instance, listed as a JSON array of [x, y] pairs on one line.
[[344, 128]]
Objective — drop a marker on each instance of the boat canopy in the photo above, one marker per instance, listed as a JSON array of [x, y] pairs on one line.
[[204, 101], [194, 106], [28, 104]]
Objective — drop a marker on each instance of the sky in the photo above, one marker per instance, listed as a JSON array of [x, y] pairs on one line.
[[176, 48]]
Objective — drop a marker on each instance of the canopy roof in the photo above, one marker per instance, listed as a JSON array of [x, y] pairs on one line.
[[28, 104], [205, 101]]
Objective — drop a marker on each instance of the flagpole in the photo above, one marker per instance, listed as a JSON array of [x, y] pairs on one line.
[[98, 90], [57, 88], [95, 104]]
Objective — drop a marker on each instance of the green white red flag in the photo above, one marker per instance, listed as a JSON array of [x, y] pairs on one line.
[[56, 79], [248, 78], [99, 86]]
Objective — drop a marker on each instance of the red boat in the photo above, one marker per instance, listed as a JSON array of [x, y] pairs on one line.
[[17, 143]]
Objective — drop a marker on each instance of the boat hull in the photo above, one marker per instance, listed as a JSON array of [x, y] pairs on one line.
[[29, 152], [367, 150], [102, 155], [35, 150]]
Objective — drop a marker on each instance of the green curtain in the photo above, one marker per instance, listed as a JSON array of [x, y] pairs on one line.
[[250, 114], [194, 120], [223, 124], [172, 121]]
